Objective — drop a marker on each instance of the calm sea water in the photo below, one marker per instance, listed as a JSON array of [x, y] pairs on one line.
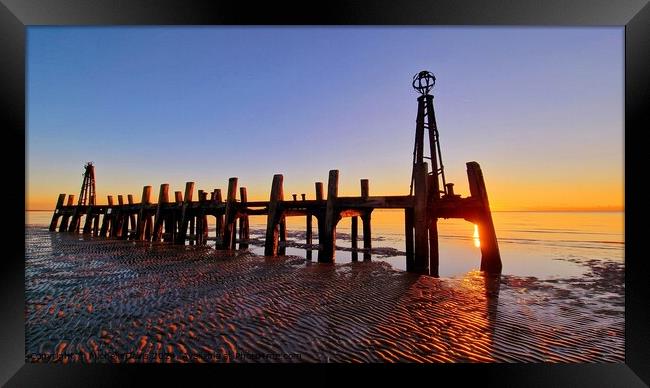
[[540, 244]]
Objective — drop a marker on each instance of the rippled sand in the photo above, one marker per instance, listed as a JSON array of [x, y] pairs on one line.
[[116, 301]]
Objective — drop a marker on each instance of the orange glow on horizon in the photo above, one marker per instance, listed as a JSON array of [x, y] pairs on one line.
[[506, 192]]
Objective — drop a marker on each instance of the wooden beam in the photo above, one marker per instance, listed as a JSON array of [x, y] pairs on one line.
[[319, 191], [377, 202], [352, 213], [490, 255], [273, 218]]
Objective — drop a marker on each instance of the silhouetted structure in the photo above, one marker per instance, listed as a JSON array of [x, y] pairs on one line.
[[186, 220], [432, 202]]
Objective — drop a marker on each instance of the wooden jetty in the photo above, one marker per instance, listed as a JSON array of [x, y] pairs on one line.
[[185, 219]]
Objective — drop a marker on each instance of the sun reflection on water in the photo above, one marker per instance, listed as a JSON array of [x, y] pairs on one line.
[[477, 240]]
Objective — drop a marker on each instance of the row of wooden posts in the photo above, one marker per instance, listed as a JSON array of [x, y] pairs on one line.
[[185, 219]]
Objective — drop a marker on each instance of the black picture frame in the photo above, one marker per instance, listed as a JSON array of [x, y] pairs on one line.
[[16, 15]]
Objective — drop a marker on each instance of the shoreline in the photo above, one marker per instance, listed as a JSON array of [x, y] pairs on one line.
[[120, 301]]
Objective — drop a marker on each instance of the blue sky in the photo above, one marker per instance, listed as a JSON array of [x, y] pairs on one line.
[[540, 108]]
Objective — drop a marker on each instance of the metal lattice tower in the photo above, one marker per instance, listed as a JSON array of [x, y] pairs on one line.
[[423, 82], [87, 194]]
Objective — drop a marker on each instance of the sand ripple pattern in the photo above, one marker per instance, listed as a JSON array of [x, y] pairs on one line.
[[117, 301]]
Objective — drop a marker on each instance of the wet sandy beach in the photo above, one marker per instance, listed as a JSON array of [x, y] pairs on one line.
[[116, 301]]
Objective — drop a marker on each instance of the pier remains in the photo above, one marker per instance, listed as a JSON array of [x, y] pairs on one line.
[[185, 219]]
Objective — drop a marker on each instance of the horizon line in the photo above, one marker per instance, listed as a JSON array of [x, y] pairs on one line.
[[550, 210]]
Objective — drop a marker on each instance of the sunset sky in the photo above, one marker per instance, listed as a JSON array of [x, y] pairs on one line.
[[541, 109]]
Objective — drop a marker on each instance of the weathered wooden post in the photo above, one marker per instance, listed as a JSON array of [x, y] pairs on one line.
[[163, 199], [434, 260], [219, 218], [95, 226], [308, 235], [309, 231], [144, 228], [115, 219], [192, 234], [490, 256], [421, 219], [120, 217], [229, 237], [132, 226], [367, 234], [185, 213], [282, 247], [327, 235], [366, 218], [408, 237], [111, 219], [57, 212], [320, 217], [108, 218], [198, 234], [169, 226], [450, 190], [365, 189], [273, 217], [75, 220], [243, 220], [66, 217], [354, 235], [87, 229], [175, 220], [203, 235]]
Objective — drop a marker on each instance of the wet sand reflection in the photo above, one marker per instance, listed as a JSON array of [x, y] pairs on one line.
[[120, 301]]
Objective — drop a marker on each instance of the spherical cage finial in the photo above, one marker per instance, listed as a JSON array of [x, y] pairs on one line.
[[423, 82]]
